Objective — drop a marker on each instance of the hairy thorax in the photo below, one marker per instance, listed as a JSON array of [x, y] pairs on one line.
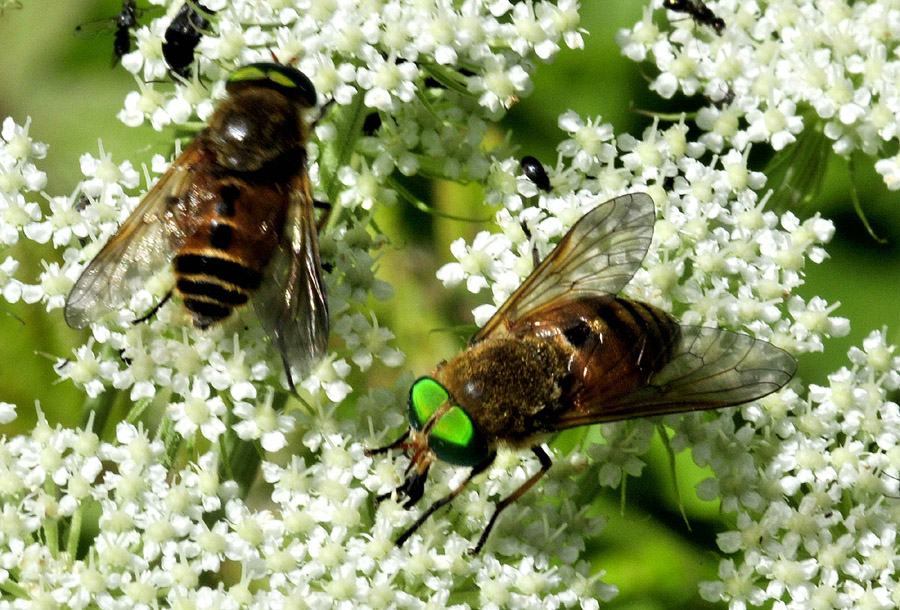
[[253, 129], [507, 386]]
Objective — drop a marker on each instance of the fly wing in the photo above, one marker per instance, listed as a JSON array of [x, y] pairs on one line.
[[95, 27], [147, 241], [127, 18], [709, 368], [293, 307], [598, 256]]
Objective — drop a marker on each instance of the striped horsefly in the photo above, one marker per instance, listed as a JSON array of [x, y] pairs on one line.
[[564, 351], [234, 216]]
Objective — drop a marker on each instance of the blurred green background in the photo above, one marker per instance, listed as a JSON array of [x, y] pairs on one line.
[[65, 84]]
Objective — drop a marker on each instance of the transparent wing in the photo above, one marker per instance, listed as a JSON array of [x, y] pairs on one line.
[[598, 256], [146, 242], [96, 27], [126, 18], [710, 368], [292, 305]]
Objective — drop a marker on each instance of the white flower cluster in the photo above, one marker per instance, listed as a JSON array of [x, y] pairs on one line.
[[18, 176], [415, 84], [816, 523], [383, 51], [158, 533], [779, 66], [810, 476], [718, 258]]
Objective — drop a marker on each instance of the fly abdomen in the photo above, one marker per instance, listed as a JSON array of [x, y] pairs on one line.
[[215, 266], [211, 285], [227, 295], [652, 330]]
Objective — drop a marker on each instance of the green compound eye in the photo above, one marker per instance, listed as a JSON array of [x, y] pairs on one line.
[[290, 81], [425, 397], [247, 73], [454, 437]]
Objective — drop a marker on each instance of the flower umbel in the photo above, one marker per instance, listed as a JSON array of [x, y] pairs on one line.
[[171, 503], [172, 512], [772, 73]]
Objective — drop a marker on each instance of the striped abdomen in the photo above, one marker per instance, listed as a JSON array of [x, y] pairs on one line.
[[614, 344], [222, 263]]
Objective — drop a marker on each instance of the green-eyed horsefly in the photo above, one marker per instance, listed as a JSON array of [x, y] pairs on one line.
[[565, 351]]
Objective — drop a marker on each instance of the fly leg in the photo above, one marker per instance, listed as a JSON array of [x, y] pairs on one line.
[[322, 205], [443, 501], [153, 311], [545, 466], [535, 257], [397, 444]]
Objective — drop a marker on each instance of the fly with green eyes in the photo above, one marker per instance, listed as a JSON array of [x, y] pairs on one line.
[[565, 351]]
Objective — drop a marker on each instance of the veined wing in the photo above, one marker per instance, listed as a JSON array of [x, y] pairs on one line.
[[598, 256], [125, 19], [293, 307], [710, 368], [146, 241]]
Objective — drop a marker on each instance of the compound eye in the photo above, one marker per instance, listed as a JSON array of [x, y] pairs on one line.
[[286, 79], [425, 397], [454, 438]]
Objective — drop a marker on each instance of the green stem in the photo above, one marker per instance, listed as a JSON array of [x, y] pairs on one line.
[[448, 77], [51, 524], [226, 458], [244, 460], [339, 152], [171, 440], [75, 532], [664, 434], [13, 589], [423, 207], [101, 407], [429, 108], [796, 173], [668, 117], [137, 410], [857, 204]]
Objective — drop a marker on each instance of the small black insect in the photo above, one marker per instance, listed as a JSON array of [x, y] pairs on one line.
[[81, 203], [120, 24], [371, 124], [183, 35], [535, 172], [725, 100], [698, 11]]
